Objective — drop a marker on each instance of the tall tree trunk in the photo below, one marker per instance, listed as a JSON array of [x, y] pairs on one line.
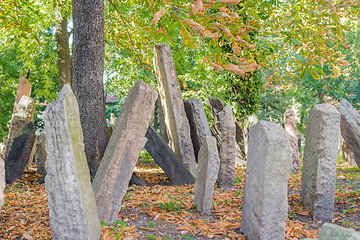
[[87, 69], [62, 41]]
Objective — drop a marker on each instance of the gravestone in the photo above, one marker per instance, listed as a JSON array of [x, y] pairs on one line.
[[199, 126], [208, 169], [41, 155], [350, 127], [167, 160], [330, 231], [177, 125], [23, 89], [115, 170], [268, 170], [290, 127], [319, 162], [19, 153], [2, 181], [23, 115], [71, 200], [227, 149]]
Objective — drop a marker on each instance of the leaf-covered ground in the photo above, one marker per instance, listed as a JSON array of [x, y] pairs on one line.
[[161, 211]]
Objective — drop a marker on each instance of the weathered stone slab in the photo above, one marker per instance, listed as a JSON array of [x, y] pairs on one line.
[[2, 181], [334, 232], [41, 155], [227, 149], [268, 170], [319, 162], [199, 126], [177, 125], [71, 199], [350, 127], [19, 153], [23, 115], [167, 160], [208, 170], [290, 127], [23, 89], [113, 176]]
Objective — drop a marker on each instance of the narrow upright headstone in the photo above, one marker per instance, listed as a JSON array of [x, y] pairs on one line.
[[267, 173], [23, 114], [350, 127], [177, 125], [290, 127], [23, 89], [2, 181], [330, 231], [319, 163], [227, 149], [208, 169], [199, 126], [115, 170], [19, 153], [71, 199], [41, 155]]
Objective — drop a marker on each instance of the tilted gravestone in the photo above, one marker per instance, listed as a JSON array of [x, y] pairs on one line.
[[71, 199], [23, 89], [208, 169], [23, 115], [113, 176], [19, 153], [165, 157], [2, 181], [350, 127], [290, 127], [177, 125], [199, 126], [319, 162], [227, 149], [268, 170], [41, 155]]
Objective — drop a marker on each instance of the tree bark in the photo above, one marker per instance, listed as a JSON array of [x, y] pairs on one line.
[[62, 42], [87, 68]]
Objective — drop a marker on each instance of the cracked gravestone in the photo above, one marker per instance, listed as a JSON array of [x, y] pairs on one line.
[[290, 127], [177, 125], [267, 173], [71, 199], [208, 170], [128, 138], [165, 157], [319, 163]]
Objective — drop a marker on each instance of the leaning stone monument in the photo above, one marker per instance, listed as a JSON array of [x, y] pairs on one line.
[[319, 163], [116, 167], [177, 125], [2, 181], [268, 170], [208, 169], [290, 127], [72, 206], [350, 127]]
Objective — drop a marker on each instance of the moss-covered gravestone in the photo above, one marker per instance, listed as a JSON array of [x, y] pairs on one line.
[[71, 199]]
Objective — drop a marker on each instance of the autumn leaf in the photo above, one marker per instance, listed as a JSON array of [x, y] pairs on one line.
[[235, 69], [245, 43], [198, 6], [229, 1], [196, 27], [251, 67], [216, 67], [206, 59], [157, 16]]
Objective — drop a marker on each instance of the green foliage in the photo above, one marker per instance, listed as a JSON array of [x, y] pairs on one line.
[[173, 205]]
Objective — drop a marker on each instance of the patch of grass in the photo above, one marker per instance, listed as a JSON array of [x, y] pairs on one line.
[[149, 236], [174, 205], [151, 224]]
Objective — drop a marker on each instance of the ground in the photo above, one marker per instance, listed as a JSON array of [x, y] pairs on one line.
[[162, 211]]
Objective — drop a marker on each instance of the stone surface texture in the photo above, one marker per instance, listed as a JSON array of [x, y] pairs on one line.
[[41, 155], [290, 127], [350, 127], [208, 169], [227, 149], [330, 231], [23, 115], [2, 181], [166, 158], [19, 153], [71, 199], [319, 162], [115, 170], [23, 89], [199, 126], [268, 170], [177, 125]]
